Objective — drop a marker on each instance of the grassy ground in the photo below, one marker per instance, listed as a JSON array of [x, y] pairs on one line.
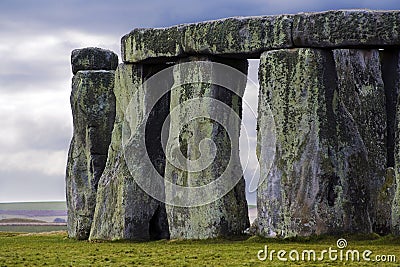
[[55, 249]]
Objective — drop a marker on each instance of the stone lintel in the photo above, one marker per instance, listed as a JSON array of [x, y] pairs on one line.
[[248, 37], [236, 37], [347, 28]]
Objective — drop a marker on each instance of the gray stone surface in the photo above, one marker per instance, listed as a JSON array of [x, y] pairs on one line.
[[391, 66], [227, 215], [93, 58], [347, 28], [124, 210], [248, 37], [241, 37], [147, 44], [238, 37], [361, 90], [330, 162], [93, 110], [288, 201]]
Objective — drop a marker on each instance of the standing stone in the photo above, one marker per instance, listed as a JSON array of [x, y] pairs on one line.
[[228, 214], [391, 75], [93, 58], [124, 210], [93, 110], [318, 182], [362, 92]]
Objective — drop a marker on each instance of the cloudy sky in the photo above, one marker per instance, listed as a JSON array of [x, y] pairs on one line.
[[36, 38]]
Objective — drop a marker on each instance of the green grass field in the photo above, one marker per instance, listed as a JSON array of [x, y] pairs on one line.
[[35, 248], [31, 228], [55, 205], [55, 249], [20, 220]]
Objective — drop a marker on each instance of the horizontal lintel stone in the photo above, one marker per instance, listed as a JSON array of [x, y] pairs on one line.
[[347, 28], [238, 37], [248, 37]]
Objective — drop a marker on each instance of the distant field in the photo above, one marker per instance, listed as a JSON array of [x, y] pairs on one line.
[[46, 212], [55, 249], [58, 205], [20, 220], [29, 226], [35, 212], [32, 228]]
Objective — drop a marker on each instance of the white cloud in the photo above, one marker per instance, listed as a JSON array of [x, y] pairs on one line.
[[28, 185], [47, 162], [46, 55], [35, 115], [79, 39], [31, 117]]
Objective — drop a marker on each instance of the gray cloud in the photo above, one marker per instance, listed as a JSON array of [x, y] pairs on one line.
[[48, 133], [17, 185], [123, 15]]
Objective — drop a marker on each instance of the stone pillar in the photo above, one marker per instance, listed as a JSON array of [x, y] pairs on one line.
[[199, 130], [322, 176], [362, 92], [124, 210], [391, 76], [93, 111]]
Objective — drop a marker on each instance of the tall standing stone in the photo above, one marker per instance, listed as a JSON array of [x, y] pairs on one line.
[[93, 110], [319, 181], [361, 90], [391, 68], [228, 214], [124, 210]]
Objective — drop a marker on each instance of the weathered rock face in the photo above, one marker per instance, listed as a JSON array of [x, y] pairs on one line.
[[299, 93], [347, 28], [392, 80], [248, 37], [93, 58], [227, 215], [93, 110], [330, 164], [124, 210], [141, 44], [362, 92], [242, 37]]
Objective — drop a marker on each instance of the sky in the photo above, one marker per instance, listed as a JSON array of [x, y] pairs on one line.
[[36, 40]]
